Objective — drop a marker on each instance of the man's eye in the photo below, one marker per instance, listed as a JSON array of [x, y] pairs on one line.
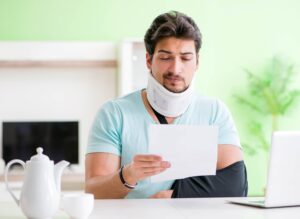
[[186, 58], [165, 58]]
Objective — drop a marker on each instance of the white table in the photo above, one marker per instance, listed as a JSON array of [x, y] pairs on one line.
[[206, 208]]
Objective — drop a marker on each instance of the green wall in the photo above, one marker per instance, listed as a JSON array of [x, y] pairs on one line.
[[236, 34]]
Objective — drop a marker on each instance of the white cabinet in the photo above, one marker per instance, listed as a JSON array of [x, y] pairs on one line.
[[133, 72]]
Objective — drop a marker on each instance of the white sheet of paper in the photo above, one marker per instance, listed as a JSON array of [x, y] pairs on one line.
[[191, 150]]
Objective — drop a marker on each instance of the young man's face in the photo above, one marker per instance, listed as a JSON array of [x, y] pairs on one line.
[[174, 63]]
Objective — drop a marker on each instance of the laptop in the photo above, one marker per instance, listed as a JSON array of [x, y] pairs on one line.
[[283, 183]]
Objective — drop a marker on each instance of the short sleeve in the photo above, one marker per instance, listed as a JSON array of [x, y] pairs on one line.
[[105, 132], [227, 131]]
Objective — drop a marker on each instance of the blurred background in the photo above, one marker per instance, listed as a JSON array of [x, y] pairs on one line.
[[249, 59]]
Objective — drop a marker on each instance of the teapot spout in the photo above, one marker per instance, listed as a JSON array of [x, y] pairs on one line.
[[58, 169]]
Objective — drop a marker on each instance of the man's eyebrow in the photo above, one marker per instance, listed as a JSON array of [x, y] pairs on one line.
[[168, 52], [164, 51], [186, 53]]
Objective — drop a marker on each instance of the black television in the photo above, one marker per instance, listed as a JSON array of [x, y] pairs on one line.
[[59, 140]]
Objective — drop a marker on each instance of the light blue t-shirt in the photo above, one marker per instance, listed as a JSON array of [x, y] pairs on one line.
[[121, 128]]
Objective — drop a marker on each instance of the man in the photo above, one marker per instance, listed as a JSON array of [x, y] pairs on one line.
[[117, 162]]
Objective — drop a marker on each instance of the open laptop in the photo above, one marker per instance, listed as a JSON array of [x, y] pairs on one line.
[[283, 184]]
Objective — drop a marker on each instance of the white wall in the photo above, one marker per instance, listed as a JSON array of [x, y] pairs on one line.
[[133, 72], [38, 93]]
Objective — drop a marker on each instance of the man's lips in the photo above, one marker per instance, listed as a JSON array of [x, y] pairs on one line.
[[173, 78]]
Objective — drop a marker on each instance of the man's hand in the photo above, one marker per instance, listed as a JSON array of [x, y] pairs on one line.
[[163, 194], [144, 166]]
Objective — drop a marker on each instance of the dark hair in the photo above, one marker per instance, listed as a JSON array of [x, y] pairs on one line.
[[172, 24]]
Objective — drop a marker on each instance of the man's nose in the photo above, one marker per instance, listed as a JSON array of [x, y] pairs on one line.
[[176, 67]]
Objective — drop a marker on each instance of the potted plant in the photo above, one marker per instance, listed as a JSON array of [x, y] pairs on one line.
[[268, 96]]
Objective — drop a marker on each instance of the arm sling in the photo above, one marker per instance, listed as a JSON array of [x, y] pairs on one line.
[[230, 181]]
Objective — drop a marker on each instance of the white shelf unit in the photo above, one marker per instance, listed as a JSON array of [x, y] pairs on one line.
[[56, 81]]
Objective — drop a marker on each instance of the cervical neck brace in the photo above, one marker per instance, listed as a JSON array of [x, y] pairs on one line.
[[166, 102]]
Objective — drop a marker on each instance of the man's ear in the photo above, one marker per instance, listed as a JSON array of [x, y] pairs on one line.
[[198, 60], [148, 61]]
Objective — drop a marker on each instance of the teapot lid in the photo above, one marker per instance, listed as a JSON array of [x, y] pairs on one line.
[[39, 156]]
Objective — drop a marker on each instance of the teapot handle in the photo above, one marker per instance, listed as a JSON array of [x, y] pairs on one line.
[[6, 177]]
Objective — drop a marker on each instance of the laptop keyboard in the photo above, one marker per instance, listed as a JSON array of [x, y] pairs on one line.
[[258, 202]]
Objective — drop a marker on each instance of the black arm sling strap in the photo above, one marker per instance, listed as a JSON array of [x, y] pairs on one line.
[[162, 119], [230, 181]]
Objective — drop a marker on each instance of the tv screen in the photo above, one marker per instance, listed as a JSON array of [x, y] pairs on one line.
[[58, 139]]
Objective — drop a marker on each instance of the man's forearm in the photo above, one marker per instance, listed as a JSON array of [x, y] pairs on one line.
[[106, 187], [107, 184]]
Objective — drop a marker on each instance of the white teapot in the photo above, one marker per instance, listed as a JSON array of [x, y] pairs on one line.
[[40, 194]]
